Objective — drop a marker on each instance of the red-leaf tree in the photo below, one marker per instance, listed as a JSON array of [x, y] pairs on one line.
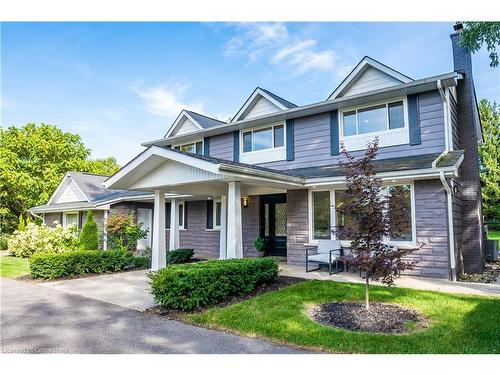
[[374, 217]]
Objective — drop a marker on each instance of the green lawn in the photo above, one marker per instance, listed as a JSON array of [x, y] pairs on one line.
[[494, 235], [458, 323], [14, 267]]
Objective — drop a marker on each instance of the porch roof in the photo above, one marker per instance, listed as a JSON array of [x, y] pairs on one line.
[[406, 163], [144, 172]]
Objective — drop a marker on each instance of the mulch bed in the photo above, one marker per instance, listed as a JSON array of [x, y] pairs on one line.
[[381, 318], [280, 283], [489, 275]]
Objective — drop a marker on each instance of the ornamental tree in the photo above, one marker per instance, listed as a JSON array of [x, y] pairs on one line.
[[374, 217], [89, 237]]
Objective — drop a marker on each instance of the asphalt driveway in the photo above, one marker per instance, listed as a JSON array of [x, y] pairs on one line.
[[37, 319]]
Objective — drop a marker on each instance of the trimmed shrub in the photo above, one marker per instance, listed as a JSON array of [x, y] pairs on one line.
[[51, 266], [141, 262], [178, 256], [194, 285], [89, 237], [41, 238], [4, 238]]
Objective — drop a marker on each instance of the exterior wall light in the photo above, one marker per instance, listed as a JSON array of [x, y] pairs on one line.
[[245, 201]]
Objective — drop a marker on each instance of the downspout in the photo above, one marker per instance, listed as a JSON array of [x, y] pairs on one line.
[[447, 135], [37, 216], [451, 234]]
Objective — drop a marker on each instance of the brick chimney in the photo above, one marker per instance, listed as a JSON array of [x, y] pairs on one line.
[[469, 135]]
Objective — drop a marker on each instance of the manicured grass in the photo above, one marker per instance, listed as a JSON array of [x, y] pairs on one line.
[[494, 235], [458, 323], [12, 267]]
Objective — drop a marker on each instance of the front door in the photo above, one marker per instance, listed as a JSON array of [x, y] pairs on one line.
[[273, 223]]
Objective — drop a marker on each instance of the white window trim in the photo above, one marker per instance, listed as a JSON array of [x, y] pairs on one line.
[[215, 227], [65, 223], [405, 128], [333, 216], [266, 155], [189, 143], [179, 204]]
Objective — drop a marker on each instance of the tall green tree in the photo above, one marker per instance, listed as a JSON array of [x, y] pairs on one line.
[[477, 34], [489, 153], [33, 159]]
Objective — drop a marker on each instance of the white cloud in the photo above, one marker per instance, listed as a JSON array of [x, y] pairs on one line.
[[167, 100], [254, 39], [272, 42]]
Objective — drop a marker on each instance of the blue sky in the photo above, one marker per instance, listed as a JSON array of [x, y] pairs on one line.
[[120, 84]]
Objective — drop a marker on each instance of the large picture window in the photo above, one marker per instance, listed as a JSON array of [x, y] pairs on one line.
[[373, 119], [264, 138], [323, 219]]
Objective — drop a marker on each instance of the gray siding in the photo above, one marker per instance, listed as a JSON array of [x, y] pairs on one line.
[[432, 231], [221, 146], [312, 137], [297, 226], [251, 226], [50, 217], [205, 242]]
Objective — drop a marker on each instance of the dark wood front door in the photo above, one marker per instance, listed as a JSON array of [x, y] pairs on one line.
[[273, 218]]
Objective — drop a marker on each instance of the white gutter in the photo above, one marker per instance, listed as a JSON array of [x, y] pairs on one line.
[[449, 209]]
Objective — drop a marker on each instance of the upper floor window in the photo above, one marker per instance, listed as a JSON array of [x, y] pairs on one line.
[[264, 138], [193, 148], [377, 118]]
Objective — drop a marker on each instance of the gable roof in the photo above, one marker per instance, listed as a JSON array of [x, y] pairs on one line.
[[361, 68], [256, 95], [199, 120]]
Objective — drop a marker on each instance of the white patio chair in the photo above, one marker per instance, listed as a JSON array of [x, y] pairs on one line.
[[328, 252]]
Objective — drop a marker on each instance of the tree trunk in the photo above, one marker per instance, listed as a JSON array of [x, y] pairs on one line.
[[367, 299]]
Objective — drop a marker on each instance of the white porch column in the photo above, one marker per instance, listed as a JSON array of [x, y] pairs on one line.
[[234, 232], [174, 225], [105, 231], [159, 255], [223, 228]]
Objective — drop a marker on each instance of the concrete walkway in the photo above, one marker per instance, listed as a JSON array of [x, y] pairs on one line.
[[423, 283], [37, 319], [126, 289]]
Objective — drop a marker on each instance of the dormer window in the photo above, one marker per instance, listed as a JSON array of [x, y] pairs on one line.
[[265, 138], [386, 120], [373, 119], [263, 144], [192, 148]]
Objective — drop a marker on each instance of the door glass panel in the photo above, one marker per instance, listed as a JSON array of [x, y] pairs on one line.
[[280, 219], [218, 210], [266, 219]]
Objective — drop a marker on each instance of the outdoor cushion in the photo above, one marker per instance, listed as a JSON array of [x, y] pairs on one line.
[[324, 246], [323, 258]]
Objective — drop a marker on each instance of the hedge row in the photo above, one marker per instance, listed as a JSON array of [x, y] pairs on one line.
[[56, 265], [193, 285]]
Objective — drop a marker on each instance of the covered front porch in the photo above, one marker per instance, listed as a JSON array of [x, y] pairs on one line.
[[241, 198]]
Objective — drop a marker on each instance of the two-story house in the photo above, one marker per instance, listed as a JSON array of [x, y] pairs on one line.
[[273, 171]]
